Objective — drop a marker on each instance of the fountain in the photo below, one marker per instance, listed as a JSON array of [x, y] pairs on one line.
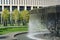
[[44, 23]]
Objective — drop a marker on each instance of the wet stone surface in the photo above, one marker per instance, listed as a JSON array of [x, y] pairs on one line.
[[47, 36], [41, 36], [23, 37]]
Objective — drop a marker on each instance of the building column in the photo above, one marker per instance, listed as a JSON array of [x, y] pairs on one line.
[[31, 7], [18, 5], [10, 9], [2, 10], [2, 5], [10, 6], [25, 7], [18, 8], [37, 6]]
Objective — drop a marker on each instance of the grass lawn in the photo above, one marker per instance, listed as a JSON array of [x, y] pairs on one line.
[[6, 30]]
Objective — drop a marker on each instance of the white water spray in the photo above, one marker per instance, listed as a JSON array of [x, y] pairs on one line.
[[35, 26]]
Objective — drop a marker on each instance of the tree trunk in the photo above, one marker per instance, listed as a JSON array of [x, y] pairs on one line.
[[15, 22], [24, 22], [19, 22], [5, 23]]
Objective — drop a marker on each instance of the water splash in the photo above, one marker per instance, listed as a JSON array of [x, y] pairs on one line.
[[43, 21], [36, 27]]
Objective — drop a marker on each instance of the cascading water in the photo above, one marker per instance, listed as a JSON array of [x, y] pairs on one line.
[[35, 26], [44, 23]]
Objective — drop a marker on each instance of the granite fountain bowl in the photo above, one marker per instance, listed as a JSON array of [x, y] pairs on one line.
[[44, 24]]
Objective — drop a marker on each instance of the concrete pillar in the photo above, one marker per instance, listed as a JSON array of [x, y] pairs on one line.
[[10, 6], [18, 8], [18, 5], [2, 9], [25, 8], [25, 4], [13, 1], [2, 4], [31, 7], [37, 6]]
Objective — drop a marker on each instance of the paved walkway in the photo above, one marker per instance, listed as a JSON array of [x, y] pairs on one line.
[[9, 36]]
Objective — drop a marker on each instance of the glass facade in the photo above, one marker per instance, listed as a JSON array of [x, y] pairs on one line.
[[0, 1], [14, 2], [8, 7], [28, 8], [20, 4], [40, 7], [34, 7], [14, 7], [6, 1], [0, 8], [21, 8]]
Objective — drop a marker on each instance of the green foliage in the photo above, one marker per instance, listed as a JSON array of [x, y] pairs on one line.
[[15, 14], [5, 14], [16, 18], [24, 15]]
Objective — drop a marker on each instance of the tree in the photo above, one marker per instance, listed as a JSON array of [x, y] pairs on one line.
[[5, 16], [15, 16], [24, 16]]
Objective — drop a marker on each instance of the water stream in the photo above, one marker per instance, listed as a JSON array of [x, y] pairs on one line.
[[36, 27], [44, 24]]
